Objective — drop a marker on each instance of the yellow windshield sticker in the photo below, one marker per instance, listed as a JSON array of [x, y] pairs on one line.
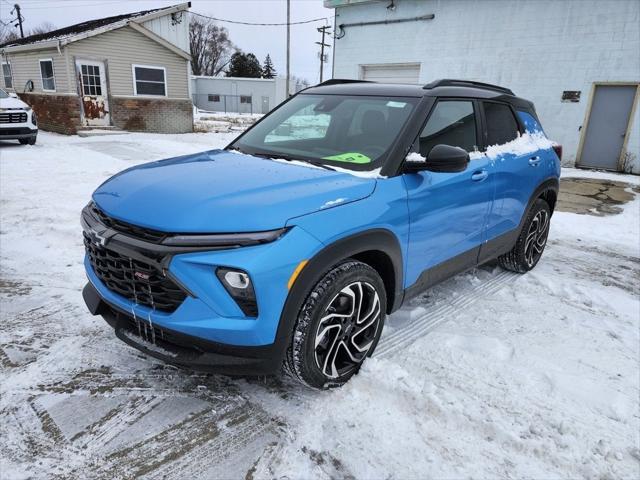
[[350, 157]]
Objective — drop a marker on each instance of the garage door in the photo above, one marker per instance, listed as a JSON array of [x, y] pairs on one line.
[[391, 73]]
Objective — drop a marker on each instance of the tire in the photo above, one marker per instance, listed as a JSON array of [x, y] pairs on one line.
[[528, 249], [327, 349]]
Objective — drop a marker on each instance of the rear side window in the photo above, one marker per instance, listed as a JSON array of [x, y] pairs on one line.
[[501, 124], [452, 122]]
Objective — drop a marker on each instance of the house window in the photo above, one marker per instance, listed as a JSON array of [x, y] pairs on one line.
[[6, 73], [46, 72], [214, 98], [149, 80], [91, 82], [245, 99]]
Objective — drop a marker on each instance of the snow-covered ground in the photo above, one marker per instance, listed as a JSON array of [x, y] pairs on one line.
[[488, 375]]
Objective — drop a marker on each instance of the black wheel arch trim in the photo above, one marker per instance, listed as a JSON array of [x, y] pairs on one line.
[[550, 184], [374, 240]]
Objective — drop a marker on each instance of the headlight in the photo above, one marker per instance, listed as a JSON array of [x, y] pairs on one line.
[[238, 284], [33, 119]]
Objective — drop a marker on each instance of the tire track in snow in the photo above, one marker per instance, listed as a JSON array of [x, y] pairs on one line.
[[440, 312]]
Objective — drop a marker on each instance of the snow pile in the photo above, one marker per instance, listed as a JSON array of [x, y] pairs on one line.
[[523, 145], [415, 157]]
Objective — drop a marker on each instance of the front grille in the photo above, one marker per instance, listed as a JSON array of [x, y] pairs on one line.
[[137, 281], [134, 231], [13, 117]]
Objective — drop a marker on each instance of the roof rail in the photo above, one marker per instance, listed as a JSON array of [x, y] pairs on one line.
[[337, 81], [447, 82]]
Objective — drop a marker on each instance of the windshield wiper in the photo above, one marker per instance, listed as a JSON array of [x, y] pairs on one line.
[[289, 158]]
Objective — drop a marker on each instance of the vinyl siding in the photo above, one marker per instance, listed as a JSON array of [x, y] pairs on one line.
[[173, 32], [25, 66], [122, 48]]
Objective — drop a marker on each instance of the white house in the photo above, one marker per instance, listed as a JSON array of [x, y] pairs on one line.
[[129, 71], [577, 60]]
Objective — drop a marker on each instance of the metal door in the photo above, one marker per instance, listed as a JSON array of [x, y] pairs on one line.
[[93, 90], [265, 104], [607, 126]]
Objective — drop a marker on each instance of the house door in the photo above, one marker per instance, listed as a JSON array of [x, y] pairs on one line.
[[607, 126], [265, 104], [93, 90]]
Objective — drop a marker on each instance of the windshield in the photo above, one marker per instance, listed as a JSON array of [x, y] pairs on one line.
[[346, 131], [3, 94]]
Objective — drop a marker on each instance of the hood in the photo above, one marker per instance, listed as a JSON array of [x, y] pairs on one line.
[[11, 102], [223, 191]]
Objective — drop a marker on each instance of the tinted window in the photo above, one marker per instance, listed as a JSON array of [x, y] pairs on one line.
[[451, 123], [501, 124]]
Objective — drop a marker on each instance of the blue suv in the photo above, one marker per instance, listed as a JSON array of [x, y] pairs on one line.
[[288, 248]]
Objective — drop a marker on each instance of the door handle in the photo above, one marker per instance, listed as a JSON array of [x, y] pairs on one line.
[[479, 175], [534, 161]]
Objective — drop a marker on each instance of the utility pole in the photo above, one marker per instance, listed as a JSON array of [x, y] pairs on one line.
[[324, 32], [19, 18], [288, 44]]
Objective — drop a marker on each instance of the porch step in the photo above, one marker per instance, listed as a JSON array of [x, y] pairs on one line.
[[99, 131]]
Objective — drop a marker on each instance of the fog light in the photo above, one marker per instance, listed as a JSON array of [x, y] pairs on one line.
[[238, 280], [238, 284]]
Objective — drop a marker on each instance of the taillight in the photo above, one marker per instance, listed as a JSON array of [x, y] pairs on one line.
[[558, 149]]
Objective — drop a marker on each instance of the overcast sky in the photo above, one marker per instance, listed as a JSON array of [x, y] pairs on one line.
[[259, 40]]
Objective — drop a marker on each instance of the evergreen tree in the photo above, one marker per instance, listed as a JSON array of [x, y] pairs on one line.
[[268, 70], [244, 65]]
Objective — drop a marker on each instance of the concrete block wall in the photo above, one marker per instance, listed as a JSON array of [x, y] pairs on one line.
[[538, 48], [152, 115]]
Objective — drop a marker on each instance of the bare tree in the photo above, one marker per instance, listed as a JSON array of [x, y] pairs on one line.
[[211, 48], [44, 27], [9, 34]]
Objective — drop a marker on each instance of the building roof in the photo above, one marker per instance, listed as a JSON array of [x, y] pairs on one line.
[[92, 27]]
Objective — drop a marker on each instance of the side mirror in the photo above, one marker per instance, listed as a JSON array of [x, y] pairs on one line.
[[13, 95], [441, 158]]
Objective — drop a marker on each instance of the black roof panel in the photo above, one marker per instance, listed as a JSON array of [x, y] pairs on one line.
[[449, 88]]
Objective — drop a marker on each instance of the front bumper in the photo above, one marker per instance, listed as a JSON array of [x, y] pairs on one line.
[[17, 133], [177, 348], [209, 318]]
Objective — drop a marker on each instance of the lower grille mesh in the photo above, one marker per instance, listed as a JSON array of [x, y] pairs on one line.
[[137, 281]]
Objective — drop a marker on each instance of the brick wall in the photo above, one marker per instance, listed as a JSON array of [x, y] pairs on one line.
[[152, 115], [55, 113]]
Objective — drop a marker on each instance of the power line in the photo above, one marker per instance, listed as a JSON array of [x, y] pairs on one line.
[[260, 24]]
